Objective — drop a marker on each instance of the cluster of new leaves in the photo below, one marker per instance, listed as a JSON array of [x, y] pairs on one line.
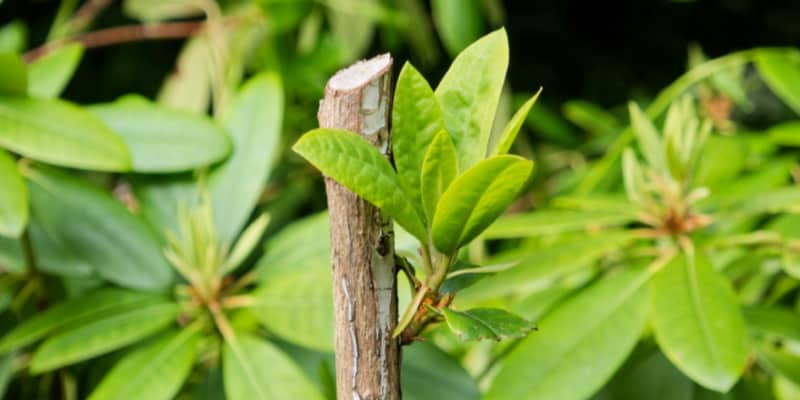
[[449, 184]]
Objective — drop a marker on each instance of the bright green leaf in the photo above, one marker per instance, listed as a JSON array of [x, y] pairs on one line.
[[416, 121], [50, 74], [552, 222], [256, 369], [785, 134], [13, 198], [486, 323], [355, 164], [511, 130], [782, 199], [161, 139], [155, 10], [469, 93], [254, 123], [98, 229], [71, 313], [189, 86], [14, 79], [60, 133], [13, 37], [246, 243], [579, 345], [650, 142], [154, 371], [591, 118], [439, 169], [780, 69], [697, 322], [102, 335], [459, 22], [352, 26], [476, 198]]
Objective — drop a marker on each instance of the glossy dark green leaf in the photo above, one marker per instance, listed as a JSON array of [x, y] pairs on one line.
[[255, 369], [780, 69], [579, 344], [98, 229], [155, 371], [68, 136], [102, 335], [486, 323], [469, 94], [13, 198], [50, 74], [14, 80], [254, 123], [161, 139], [87, 308], [459, 22], [355, 164], [476, 198], [416, 121], [697, 322]]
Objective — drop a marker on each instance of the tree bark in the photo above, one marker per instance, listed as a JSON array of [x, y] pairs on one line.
[[358, 99]]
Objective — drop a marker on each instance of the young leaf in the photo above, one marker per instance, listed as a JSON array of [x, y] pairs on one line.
[[469, 93], [357, 165], [780, 69], [439, 168], [60, 133], [476, 198], [246, 243], [649, 139], [416, 121], [584, 340], [256, 369], [633, 177], [14, 80], [697, 322], [154, 371], [459, 22], [50, 74], [162, 139], [87, 308], [102, 335], [486, 323], [13, 198], [254, 124], [511, 130], [97, 229]]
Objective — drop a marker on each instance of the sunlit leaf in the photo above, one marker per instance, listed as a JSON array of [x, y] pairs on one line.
[[50, 74], [13, 198], [486, 323]]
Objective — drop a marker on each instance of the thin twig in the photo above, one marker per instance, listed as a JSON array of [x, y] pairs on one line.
[[121, 34], [86, 14]]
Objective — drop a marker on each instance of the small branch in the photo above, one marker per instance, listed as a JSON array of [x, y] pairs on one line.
[[121, 34], [87, 13]]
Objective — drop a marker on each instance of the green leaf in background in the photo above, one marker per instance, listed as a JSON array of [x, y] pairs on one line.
[[439, 169], [98, 229], [509, 133], [591, 118], [697, 322], [780, 69], [155, 10], [486, 323], [160, 198], [650, 142], [102, 335], [469, 93], [355, 164], [189, 86], [13, 198], [352, 26], [416, 121], [782, 199], [579, 344], [552, 222], [155, 371], [60, 133], [50, 74], [256, 369], [13, 37], [12, 259], [161, 139], [14, 80], [254, 123], [86, 308], [722, 160], [247, 242], [56, 257], [655, 376], [785, 134], [476, 198], [459, 23], [6, 371], [447, 381]]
